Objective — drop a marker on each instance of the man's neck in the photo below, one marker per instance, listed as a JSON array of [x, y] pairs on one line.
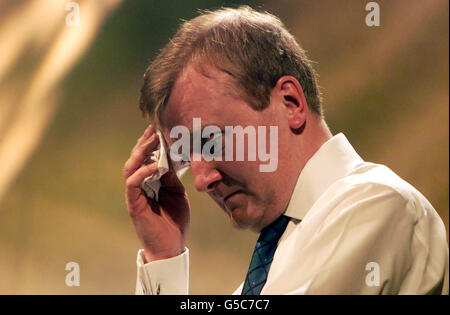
[[316, 134]]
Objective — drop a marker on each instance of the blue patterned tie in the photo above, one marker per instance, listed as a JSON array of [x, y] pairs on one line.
[[263, 256]]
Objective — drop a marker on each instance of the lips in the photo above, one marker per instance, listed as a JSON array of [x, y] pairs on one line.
[[231, 195]]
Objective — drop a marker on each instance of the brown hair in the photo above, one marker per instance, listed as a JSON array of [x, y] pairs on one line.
[[253, 47]]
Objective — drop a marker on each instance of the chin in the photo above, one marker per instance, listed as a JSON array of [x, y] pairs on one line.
[[246, 218]]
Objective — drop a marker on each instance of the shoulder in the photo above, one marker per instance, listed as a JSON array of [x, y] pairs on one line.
[[376, 187]]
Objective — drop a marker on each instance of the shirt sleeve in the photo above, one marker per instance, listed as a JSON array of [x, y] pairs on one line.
[[163, 277]]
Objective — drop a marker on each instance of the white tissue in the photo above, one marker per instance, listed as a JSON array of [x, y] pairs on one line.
[[152, 184]]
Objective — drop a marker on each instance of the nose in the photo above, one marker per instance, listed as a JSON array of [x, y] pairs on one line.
[[206, 176]]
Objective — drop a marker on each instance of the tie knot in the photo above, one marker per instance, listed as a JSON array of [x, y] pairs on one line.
[[273, 232]]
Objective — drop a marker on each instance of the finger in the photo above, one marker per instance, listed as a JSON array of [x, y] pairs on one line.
[[147, 146], [149, 131], [133, 183], [139, 155]]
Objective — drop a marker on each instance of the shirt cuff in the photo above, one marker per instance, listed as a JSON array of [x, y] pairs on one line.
[[166, 276]]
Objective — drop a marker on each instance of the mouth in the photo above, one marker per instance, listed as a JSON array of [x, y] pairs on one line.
[[231, 195]]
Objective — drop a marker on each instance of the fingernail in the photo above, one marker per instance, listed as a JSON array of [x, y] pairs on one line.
[[147, 130]]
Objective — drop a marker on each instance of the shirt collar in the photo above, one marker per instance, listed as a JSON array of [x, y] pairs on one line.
[[334, 160]]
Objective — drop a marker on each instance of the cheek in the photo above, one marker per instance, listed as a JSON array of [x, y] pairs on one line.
[[263, 189], [245, 173]]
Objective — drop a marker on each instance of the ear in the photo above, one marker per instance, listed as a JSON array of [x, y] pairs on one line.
[[290, 93]]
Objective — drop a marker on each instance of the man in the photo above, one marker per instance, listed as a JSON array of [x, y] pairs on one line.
[[330, 223]]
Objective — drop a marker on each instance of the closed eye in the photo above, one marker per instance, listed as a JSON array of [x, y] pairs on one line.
[[214, 143]]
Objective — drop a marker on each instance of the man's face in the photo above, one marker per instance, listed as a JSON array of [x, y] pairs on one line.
[[251, 198]]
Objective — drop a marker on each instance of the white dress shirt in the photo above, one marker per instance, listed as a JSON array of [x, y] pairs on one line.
[[356, 228]]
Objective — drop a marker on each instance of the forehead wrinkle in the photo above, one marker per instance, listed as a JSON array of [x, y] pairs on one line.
[[199, 93], [193, 91], [205, 78], [179, 113]]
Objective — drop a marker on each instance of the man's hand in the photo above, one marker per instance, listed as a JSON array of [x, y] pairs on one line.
[[161, 226]]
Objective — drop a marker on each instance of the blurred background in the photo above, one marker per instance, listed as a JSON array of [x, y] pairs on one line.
[[70, 74]]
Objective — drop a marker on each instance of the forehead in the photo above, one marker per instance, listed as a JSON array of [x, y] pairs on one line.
[[200, 94]]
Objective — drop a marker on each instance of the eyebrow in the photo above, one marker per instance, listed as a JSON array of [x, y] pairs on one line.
[[222, 129], [204, 140]]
